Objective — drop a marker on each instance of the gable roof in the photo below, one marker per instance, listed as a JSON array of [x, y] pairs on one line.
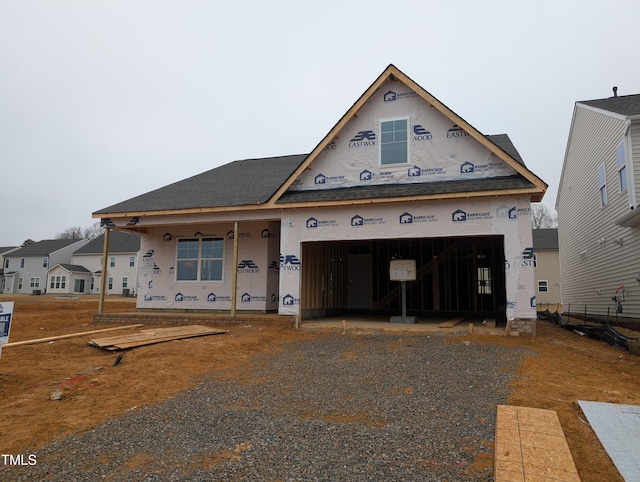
[[72, 268], [390, 74], [264, 183], [119, 242], [626, 105], [545, 238], [43, 248]]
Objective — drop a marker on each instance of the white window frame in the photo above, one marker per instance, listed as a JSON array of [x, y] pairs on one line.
[[132, 261], [199, 259], [112, 262], [110, 283], [20, 283], [408, 143], [45, 262], [540, 285], [602, 184], [34, 282], [125, 282]]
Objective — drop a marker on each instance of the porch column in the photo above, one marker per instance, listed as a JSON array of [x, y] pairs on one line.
[[103, 280], [234, 288]]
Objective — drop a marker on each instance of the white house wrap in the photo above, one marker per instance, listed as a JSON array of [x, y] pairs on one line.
[[400, 176]]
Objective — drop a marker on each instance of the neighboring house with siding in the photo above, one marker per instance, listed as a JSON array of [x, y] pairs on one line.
[[399, 177], [122, 263], [26, 268], [597, 205], [5, 250], [68, 278], [547, 271]]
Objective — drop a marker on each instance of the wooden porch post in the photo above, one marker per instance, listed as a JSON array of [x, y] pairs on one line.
[[103, 280], [234, 289]]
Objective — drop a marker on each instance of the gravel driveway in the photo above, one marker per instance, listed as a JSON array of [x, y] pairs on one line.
[[341, 407]]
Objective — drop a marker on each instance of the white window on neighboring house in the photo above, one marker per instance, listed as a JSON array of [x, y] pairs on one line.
[[125, 282], [20, 283], [132, 260], [602, 183], [63, 283], [93, 282], [543, 286], [45, 262], [110, 283], [112, 261], [22, 262], [394, 142], [34, 282], [621, 163]]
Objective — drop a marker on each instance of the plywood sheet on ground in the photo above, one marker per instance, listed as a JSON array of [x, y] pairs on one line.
[[154, 335], [530, 445], [451, 323], [618, 429]]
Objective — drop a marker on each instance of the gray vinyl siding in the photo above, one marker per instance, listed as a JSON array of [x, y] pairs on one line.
[[591, 278], [635, 152]]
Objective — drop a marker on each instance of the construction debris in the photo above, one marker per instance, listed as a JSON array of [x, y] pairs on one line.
[[154, 335]]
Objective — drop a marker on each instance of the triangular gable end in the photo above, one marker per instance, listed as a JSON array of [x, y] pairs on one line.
[[456, 126]]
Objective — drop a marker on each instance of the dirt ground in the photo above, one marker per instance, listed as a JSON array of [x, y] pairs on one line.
[[563, 369]]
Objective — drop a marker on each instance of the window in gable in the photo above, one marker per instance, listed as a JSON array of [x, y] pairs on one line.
[[621, 163], [394, 142], [603, 186]]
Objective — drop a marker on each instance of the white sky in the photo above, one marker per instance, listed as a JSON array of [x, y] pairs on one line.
[[101, 101]]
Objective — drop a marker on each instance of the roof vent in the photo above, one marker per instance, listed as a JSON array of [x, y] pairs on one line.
[[615, 91]]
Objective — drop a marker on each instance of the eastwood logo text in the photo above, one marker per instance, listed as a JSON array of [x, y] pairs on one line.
[[290, 262], [421, 134], [363, 139], [247, 266], [456, 133]]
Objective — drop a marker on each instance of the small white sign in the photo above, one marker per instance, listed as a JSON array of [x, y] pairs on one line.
[[6, 311], [402, 270]]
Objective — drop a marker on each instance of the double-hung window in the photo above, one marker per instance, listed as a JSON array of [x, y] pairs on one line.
[[394, 142], [602, 183], [200, 259]]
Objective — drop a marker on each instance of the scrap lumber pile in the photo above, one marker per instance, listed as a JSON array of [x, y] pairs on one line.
[[150, 336]]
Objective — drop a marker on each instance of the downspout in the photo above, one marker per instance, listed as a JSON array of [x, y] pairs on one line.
[[103, 280], [234, 288]]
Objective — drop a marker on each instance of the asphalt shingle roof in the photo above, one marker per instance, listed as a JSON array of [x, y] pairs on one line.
[[545, 238], [74, 268], [627, 105], [119, 242], [239, 183], [43, 248], [402, 190]]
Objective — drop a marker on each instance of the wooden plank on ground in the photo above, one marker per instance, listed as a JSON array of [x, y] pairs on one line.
[[154, 335], [451, 323], [70, 335]]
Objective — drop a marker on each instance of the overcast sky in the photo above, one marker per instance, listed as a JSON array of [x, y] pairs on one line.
[[101, 101]]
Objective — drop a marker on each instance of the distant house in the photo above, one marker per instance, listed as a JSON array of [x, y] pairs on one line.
[[3, 252], [122, 263], [26, 268], [400, 176], [547, 270], [68, 278], [597, 205]]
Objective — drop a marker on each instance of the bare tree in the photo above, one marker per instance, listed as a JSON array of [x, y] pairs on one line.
[[93, 231], [27, 242], [543, 217], [76, 232]]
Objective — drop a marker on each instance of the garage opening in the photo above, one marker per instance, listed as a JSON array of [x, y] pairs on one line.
[[461, 276]]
